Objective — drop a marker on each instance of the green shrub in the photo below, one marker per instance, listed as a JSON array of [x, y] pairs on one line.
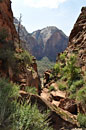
[[24, 57], [17, 116], [8, 92], [81, 95], [52, 88], [62, 57], [43, 65], [70, 70], [62, 86], [76, 85], [28, 117], [56, 68], [73, 71], [56, 71], [72, 96], [82, 120], [71, 76], [72, 89], [13, 59], [79, 83], [32, 90]]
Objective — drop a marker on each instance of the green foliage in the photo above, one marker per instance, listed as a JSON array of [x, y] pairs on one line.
[[76, 85], [62, 57], [8, 91], [43, 65], [28, 117], [24, 57], [56, 69], [69, 76], [32, 90], [62, 86], [14, 59], [72, 69], [81, 95], [52, 88], [82, 120], [9, 56], [17, 116]]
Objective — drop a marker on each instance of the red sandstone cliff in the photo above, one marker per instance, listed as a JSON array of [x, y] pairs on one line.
[[77, 39], [6, 18], [22, 75]]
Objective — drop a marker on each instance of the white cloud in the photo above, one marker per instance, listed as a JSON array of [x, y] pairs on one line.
[[43, 3]]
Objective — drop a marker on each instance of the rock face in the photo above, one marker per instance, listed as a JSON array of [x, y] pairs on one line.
[[77, 39], [77, 46], [28, 42], [51, 41], [47, 42], [6, 18], [22, 75]]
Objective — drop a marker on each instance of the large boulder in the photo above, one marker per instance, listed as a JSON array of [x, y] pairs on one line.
[[58, 117]]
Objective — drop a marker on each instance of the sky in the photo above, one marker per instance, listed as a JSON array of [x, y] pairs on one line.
[[38, 14]]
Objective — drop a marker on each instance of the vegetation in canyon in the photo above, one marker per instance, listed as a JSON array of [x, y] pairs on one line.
[[14, 115], [60, 101], [44, 65]]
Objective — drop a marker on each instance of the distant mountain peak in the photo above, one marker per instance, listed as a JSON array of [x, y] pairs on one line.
[[46, 42]]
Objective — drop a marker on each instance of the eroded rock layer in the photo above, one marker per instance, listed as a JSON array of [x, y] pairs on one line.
[[77, 39]]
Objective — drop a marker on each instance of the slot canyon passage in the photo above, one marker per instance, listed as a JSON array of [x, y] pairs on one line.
[[42, 75]]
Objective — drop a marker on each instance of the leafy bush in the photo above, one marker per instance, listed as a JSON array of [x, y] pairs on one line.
[[76, 85], [13, 59], [56, 68], [70, 75], [62, 86], [8, 92], [52, 88], [56, 71], [24, 57], [70, 70], [82, 120], [81, 95], [62, 57], [17, 116], [32, 90], [43, 65], [8, 54], [28, 117], [73, 70]]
